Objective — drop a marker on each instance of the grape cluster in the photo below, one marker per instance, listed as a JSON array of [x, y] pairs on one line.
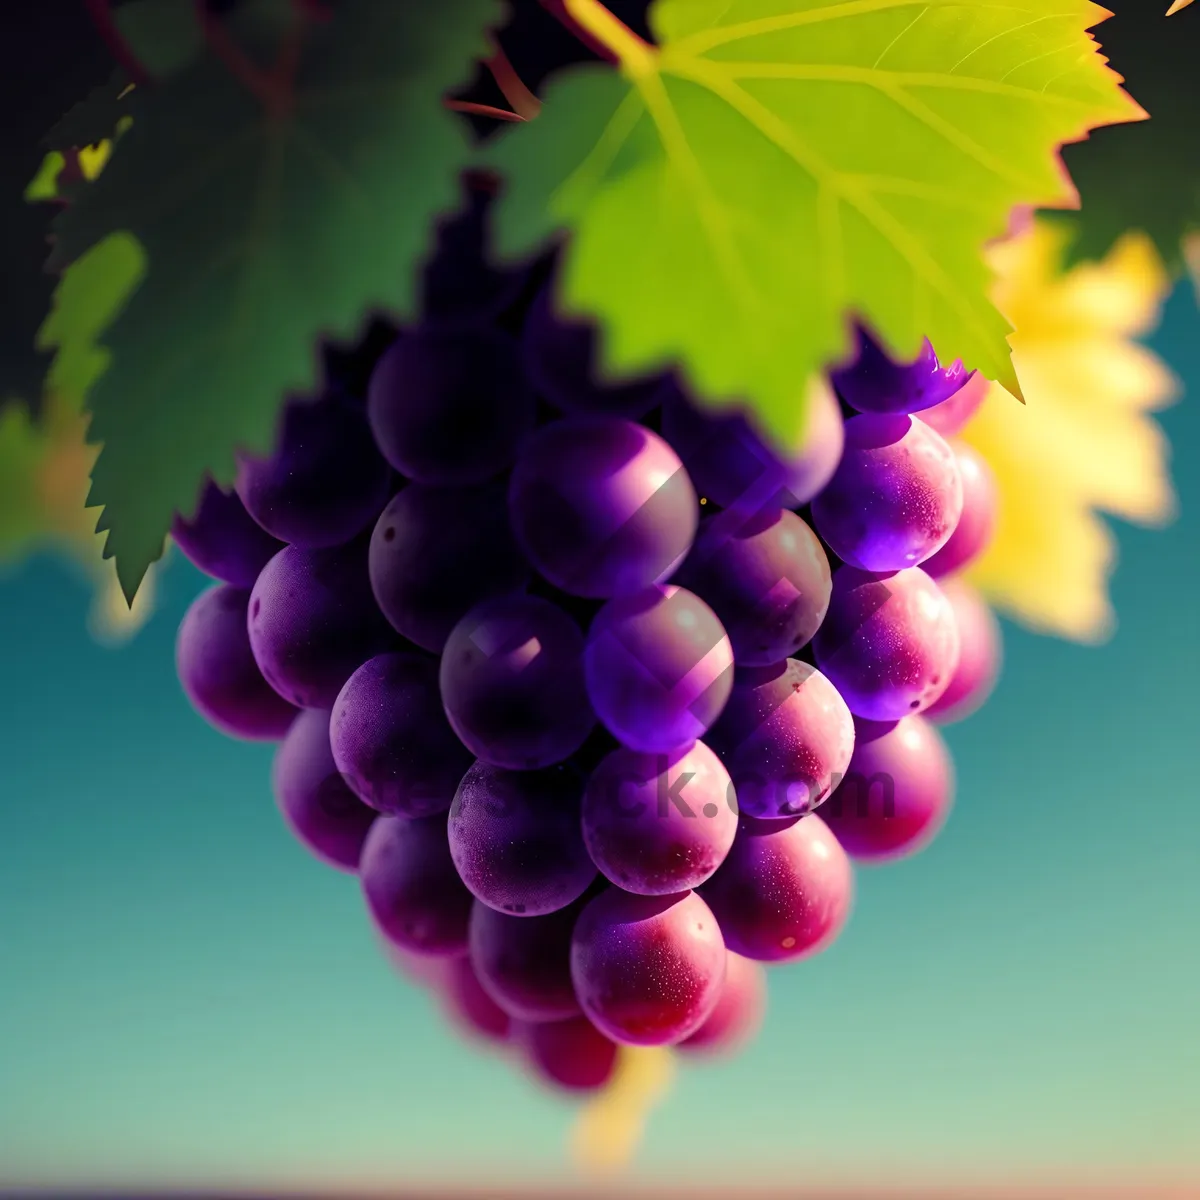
[[596, 694]]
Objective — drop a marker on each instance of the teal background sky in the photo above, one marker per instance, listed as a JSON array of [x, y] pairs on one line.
[[187, 998]]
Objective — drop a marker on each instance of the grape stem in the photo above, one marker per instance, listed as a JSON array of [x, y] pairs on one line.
[[118, 47], [525, 104], [605, 34], [482, 110]]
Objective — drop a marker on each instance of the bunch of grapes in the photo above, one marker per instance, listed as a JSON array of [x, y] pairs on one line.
[[597, 695]]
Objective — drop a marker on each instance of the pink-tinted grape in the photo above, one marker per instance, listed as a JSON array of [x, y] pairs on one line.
[[895, 497], [217, 669], [765, 576], [468, 1005], [223, 540], [602, 507], [572, 1055], [888, 644], [516, 840], [391, 739], [783, 896], [785, 738], [323, 813], [412, 889], [313, 621], [977, 523], [512, 683], [876, 383], [425, 970], [325, 481], [739, 1012], [949, 417], [979, 658], [648, 970], [897, 793], [659, 824], [450, 405], [659, 668], [437, 552]]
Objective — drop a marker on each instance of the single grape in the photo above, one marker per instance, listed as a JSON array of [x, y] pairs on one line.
[[979, 658], [889, 644], [512, 683], [895, 497], [313, 621], [875, 383], [572, 1055], [648, 970], [437, 552], [560, 357], [391, 739], [739, 1012], [223, 540], [897, 793], [978, 521], [732, 466], [765, 576], [217, 669], [412, 889], [951, 416], [659, 668], [450, 405], [324, 483], [323, 813], [524, 963], [785, 737], [516, 840], [468, 1005], [658, 824], [602, 507], [784, 896]]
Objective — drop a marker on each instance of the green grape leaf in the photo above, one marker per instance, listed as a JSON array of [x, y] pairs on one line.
[[94, 118], [776, 165], [262, 234], [22, 447]]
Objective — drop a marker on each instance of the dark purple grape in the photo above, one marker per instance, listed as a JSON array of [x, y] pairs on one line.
[[324, 483], [648, 970], [468, 1005], [659, 824], [313, 622], [977, 523], [323, 813], [412, 890], [223, 540], [391, 739], [437, 552], [572, 1055], [512, 683], [217, 669], [765, 576], [875, 383], [979, 655], [450, 405], [516, 840], [602, 507], [739, 1012]]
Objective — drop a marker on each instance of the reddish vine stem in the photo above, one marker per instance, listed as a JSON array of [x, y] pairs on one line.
[[558, 10], [118, 47], [525, 104], [482, 110]]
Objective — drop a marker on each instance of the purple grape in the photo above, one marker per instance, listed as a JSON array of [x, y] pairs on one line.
[[324, 483], [785, 737], [952, 415], [323, 813], [468, 1005], [875, 383], [571, 1055], [391, 739], [217, 669], [977, 524], [739, 1012], [516, 840], [524, 963], [648, 970], [437, 552], [412, 889], [512, 683], [560, 357], [895, 497], [602, 507], [659, 824], [659, 668], [898, 791], [313, 622], [732, 466], [223, 540], [767, 579], [784, 896], [450, 405], [980, 652]]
